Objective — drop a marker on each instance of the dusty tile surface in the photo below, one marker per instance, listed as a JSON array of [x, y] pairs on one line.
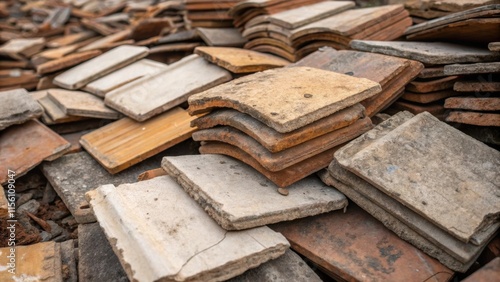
[[221, 184], [79, 103], [169, 219], [392, 164]]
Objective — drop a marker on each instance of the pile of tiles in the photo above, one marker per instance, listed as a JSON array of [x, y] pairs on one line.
[[202, 13]]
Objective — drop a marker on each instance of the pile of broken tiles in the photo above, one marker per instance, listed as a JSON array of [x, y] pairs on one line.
[[140, 187], [414, 174]]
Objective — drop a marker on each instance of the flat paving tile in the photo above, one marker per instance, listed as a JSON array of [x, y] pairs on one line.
[[17, 106], [432, 53], [464, 205], [239, 60], [157, 93], [75, 174], [79, 103], [168, 219], [473, 104], [26, 146], [220, 184], [474, 118], [355, 246], [467, 69], [287, 99]]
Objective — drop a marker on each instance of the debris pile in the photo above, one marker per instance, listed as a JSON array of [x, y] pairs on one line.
[[254, 140]]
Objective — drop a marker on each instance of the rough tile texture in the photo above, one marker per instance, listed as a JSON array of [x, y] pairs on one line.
[[75, 174], [223, 37], [38, 262], [392, 164], [433, 53], [123, 76], [221, 184], [361, 250], [282, 178], [54, 112], [239, 60], [198, 249], [69, 261], [304, 15], [17, 106], [80, 103], [432, 85], [289, 98], [143, 139], [288, 267], [425, 98], [150, 95], [474, 104], [100, 66], [96, 259], [395, 225], [474, 118], [286, 158], [465, 253], [270, 138], [25, 146], [458, 69]]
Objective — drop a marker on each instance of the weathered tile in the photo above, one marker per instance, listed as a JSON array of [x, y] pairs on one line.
[[54, 112], [392, 223], [38, 262], [432, 72], [16, 107], [433, 53], [66, 62], [487, 273], [223, 37], [75, 174], [460, 176], [169, 219], [461, 69], [286, 158], [363, 249], [22, 48], [298, 17], [79, 103], [123, 76], [270, 138], [464, 13], [144, 139], [96, 259], [476, 86], [4, 204], [224, 183], [348, 22], [25, 146], [425, 98], [239, 60], [432, 85], [149, 96], [288, 267], [472, 103], [474, 118], [465, 253], [282, 178], [436, 109], [68, 261], [100, 66], [285, 99]]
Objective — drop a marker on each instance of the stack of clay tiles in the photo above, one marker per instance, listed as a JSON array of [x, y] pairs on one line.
[[285, 123], [209, 13], [424, 10], [417, 176], [295, 33]]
